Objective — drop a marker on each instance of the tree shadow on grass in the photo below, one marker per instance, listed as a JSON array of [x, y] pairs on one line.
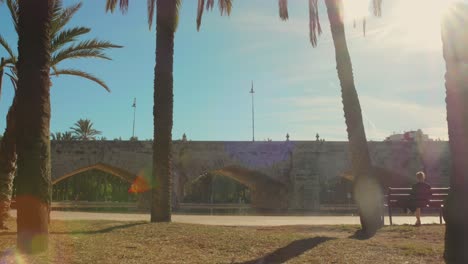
[[292, 250], [100, 231]]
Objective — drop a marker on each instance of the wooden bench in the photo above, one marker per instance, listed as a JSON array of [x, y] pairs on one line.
[[398, 196]]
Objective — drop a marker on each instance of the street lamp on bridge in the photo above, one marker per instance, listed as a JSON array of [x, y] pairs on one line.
[[253, 121]]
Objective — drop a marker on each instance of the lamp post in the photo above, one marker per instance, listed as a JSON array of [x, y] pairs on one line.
[[253, 120], [134, 111]]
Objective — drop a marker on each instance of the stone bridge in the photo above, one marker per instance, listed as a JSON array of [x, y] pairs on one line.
[[285, 175]]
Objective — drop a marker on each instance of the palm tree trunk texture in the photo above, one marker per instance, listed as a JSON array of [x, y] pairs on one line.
[[456, 85], [33, 135], [7, 163], [162, 111], [367, 192]]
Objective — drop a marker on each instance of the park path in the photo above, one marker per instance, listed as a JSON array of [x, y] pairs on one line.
[[234, 220]]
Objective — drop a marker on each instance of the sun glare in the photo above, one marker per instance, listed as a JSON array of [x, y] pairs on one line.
[[421, 19], [356, 9]]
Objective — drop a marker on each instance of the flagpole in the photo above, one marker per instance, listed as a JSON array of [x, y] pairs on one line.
[[253, 120], [134, 112]]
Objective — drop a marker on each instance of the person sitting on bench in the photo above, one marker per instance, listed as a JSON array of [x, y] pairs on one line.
[[420, 195]]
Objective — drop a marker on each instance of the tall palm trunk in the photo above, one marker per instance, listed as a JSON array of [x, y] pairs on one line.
[[7, 163], [162, 111], [33, 136], [456, 85], [367, 193]]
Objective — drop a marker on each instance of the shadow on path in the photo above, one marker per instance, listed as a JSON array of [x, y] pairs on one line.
[[100, 231], [294, 249]]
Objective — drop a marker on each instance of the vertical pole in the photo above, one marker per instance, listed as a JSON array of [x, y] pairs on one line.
[[253, 119], [134, 111]]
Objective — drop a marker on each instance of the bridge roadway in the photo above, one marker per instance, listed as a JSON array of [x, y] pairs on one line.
[[234, 220]]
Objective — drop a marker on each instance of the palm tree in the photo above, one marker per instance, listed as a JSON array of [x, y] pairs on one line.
[[367, 191], [65, 136], [83, 130], [33, 120], [64, 46], [456, 85], [166, 23]]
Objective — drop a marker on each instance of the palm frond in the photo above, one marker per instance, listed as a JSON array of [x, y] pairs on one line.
[[283, 9], [62, 16], [62, 55], [178, 6], [210, 5], [314, 22], [7, 48], [85, 49], [82, 75], [112, 4], [67, 36], [13, 7], [151, 4], [13, 79], [9, 63], [377, 6], [83, 129], [225, 7], [201, 7]]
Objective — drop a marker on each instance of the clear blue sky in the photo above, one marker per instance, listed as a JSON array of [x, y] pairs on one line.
[[398, 69]]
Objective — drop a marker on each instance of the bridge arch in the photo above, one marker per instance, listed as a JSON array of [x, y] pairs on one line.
[[265, 192], [118, 172]]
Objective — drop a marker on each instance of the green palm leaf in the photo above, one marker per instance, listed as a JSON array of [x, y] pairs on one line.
[[62, 16], [8, 49], [13, 7], [67, 36], [82, 75], [60, 38], [85, 49], [13, 79]]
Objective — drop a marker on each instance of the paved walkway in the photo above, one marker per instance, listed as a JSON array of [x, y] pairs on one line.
[[231, 220]]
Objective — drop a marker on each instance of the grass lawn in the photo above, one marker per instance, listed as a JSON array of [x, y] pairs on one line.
[[142, 242]]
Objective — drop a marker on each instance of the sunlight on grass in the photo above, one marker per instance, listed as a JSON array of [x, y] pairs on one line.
[[143, 242]]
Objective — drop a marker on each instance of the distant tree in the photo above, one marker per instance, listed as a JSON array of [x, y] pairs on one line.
[[56, 136], [65, 136], [83, 130]]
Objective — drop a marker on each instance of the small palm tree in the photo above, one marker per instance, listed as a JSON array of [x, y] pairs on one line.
[[65, 136], [167, 13], [56, 136], [83, 130]]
